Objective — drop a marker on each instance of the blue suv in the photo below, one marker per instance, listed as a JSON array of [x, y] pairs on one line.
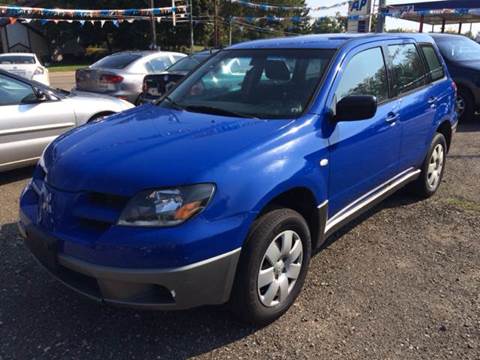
[[221, 192]]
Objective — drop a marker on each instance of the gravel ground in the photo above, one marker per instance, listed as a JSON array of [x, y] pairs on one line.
[[402, 282]]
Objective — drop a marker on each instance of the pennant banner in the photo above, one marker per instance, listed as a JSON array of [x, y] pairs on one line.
[[268, 7], [30, 12]]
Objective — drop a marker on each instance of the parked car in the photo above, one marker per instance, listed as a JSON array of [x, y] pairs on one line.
[[25, 65], [462, 56], [156, 85], [222, 192], [32, 115], [121, 74]]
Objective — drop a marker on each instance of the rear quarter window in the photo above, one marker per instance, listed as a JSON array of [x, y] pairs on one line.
[[435, 66]]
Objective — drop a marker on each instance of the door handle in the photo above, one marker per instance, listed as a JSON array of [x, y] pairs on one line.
[[432, 100], [392, 117]]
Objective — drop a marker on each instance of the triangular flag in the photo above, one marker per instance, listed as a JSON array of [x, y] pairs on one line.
[[82, 22], [12, 20], [102, 22], [159, 19], [27, 20], [92, 22], [130, 20]]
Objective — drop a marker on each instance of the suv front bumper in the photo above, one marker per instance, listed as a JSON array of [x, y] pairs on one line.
[[207, 282]]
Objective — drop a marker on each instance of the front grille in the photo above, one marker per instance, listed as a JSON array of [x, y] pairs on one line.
[[98, 211]]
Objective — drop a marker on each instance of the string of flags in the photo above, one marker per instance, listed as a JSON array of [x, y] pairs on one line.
[[82, 22], [268, 7], [31, 12]]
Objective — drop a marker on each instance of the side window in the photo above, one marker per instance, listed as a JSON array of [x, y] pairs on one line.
[[13, 92], [365, 74], [158, 64], [408, 68], [434, 64]]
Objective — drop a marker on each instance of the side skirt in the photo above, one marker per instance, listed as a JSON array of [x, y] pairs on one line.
[[364, 203]]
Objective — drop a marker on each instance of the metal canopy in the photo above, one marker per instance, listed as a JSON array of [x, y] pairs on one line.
[[438, 12]]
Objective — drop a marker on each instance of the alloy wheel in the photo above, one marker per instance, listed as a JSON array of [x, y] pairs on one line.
[[435, 166], [280, 268], [461, 105]]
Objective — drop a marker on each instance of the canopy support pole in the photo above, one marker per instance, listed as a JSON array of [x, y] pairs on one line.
[[460, 28], [443, 25], [422, 19]]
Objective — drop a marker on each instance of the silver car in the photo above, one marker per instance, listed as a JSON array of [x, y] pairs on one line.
[[32, 115], [121, 74]]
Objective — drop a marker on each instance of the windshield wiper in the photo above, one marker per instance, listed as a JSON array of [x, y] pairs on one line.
[[175, 105], [216, 111]]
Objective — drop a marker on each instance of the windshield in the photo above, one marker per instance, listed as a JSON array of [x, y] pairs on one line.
[[16, 59], [459, 48], [116, 61], [253, 83], [188, 63]]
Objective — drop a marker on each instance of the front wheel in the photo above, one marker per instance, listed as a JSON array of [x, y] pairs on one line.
[[465, 105], [272, 267], [433, 168]]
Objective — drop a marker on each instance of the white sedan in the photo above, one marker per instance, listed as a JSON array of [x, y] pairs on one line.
[[32, 115], [25, 65]]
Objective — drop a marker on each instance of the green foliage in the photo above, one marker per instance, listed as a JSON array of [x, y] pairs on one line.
[[334, 24]]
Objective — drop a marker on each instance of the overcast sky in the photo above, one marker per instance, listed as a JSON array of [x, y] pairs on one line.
[[391, 23]]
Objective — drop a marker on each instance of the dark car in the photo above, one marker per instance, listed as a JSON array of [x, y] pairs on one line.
[[462, 56], [156, 85]]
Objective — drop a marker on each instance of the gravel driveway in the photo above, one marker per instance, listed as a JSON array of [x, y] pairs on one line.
[[402, 282]]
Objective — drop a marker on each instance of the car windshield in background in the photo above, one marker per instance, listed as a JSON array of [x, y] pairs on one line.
[[116, 61], [189, 63], [266, 84], [15, 59], [459, 48]]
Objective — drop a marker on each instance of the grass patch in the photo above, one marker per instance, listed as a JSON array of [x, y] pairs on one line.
[[464, 204]]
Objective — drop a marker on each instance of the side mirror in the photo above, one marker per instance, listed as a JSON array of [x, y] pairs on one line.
[[356, 107], [37, 96]]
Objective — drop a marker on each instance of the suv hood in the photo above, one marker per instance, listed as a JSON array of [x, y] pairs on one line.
[[149, 147]]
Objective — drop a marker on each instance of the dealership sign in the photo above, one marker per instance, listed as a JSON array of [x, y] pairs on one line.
[[359, 15]]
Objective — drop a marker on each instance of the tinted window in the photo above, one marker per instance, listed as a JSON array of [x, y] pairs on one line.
[[116, 61], [365, 74], [15, 59], [12, 91], [267, 84], [458, 48], [407, 66], [434, 65]]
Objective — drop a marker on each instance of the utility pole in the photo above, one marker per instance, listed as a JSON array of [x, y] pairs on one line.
[[381, 17], [154, 27], [192, 41], [216, 30]]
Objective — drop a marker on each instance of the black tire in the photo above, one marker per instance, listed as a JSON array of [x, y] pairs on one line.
[[422, 186], [465, 100], [245, 299]]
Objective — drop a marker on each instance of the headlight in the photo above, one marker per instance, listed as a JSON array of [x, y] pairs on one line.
[[166, 207]]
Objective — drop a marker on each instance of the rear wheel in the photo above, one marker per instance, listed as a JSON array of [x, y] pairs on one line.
[[465, 105], [272, 267], [433, 168]]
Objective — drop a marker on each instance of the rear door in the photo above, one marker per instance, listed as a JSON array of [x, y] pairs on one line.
[[364, 154], [25, 129], [417, 110]]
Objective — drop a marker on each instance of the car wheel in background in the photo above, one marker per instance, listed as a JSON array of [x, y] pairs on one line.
[[99, 117], [272, 267], [465, 105], [432, 169]]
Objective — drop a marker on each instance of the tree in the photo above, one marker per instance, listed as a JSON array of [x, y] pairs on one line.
[[331, 24]]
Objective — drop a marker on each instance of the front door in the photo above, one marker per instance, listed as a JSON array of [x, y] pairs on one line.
[[26, 126], [364, 154]]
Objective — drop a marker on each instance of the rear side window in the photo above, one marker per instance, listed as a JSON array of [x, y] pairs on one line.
[[158, 64], [117, 61], [13, 92], [365, 74], [408, 69], [434, 64]]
